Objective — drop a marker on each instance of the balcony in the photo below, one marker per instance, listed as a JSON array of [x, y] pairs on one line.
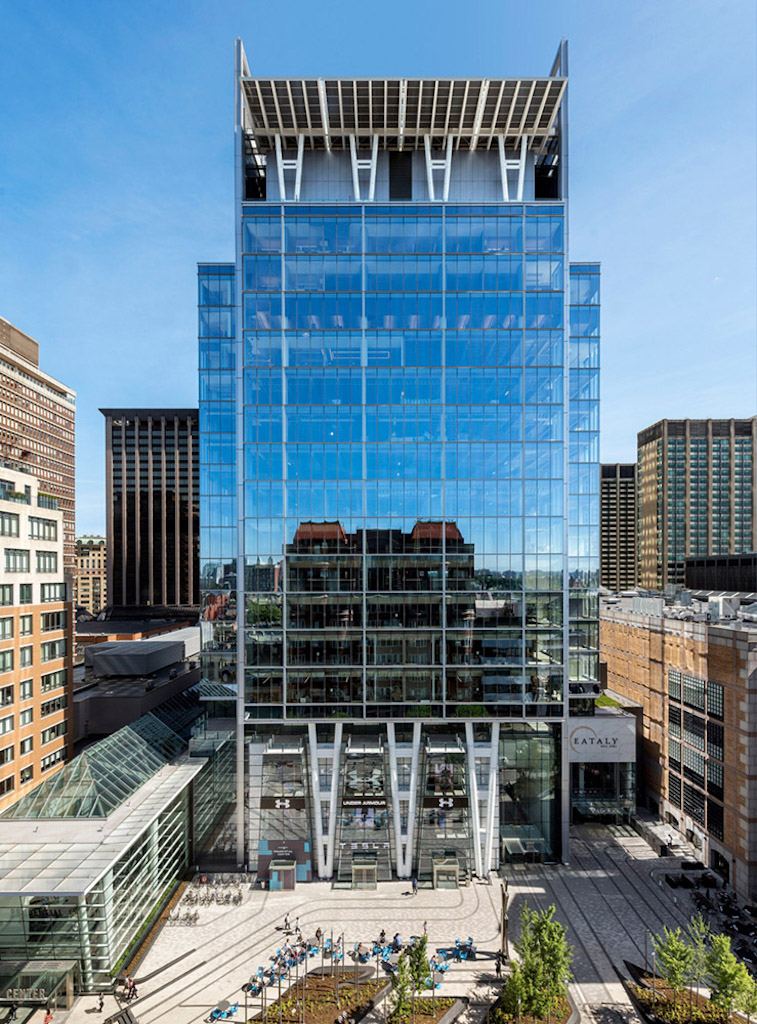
[[47, 501]]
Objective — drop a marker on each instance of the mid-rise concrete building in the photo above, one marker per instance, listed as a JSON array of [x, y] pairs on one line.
[[152, 506], [697, 486], [35, 637], [90, 574], [37, 421], [618, 529], [696, 681]]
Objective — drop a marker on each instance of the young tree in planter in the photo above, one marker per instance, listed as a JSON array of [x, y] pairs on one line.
[[401, 985], [555, 954], [747, 1003], [419, 969], [698, 934], [674, 959], [728, 978], [542, 975]]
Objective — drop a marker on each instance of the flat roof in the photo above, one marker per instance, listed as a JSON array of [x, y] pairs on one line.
[[69, 855], [401, 111]]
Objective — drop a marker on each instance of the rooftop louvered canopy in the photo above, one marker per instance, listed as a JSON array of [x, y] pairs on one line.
[[401, 111]]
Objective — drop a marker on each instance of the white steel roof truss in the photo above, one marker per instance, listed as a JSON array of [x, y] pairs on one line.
[[435, 164], [364, 164], [289, 164]]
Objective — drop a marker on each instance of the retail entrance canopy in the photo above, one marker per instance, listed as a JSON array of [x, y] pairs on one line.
[[607, 738]]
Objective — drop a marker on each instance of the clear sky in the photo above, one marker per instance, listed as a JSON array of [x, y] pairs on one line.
[[116, 124]]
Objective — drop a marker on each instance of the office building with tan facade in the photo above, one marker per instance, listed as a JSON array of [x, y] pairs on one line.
[[697, 485], [90, 577], [35, 637], [696, 681], [37, 422]]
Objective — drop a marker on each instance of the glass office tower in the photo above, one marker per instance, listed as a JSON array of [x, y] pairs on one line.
[[399, 475]]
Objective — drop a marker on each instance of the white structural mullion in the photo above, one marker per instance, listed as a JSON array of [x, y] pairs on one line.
[[448, 168], [522, 167], [280, 168], [470, 750], [503, 168], [374, 164], [414, 759], [315, 786], [429, 167], [298, 167], [492, 797], [333, 815], [355, 175], [395, 791]]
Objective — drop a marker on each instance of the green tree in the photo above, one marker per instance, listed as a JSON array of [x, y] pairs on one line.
[[747, 1001], [698, 934], [419, 969], [541, 977], [674, 959], [728, 978], [401, 987]]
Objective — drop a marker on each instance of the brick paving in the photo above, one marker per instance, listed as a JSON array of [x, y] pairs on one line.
[[607, 897]]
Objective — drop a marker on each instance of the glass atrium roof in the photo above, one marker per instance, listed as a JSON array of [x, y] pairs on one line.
[[104, 775]]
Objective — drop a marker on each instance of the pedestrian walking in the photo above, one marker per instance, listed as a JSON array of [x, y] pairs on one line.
[[425, 927], [318, 935], [498, 966], [415, 886], [133, 994], [100, 1003], [286, 922], [12, 1013], [297, 923], [48, 1016]]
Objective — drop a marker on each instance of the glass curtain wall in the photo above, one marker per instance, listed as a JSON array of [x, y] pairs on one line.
[[583, 487], [404, 462]]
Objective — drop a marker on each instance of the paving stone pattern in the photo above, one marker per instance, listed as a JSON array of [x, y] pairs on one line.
[[607, 897]]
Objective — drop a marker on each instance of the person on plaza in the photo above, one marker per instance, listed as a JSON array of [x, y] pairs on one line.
[[286, 922], [415, 886], [498, 965], [425, 927], [48, 1016], [382, 938], [297, 923], [397, 942], [318, 935], [128, 986], [100, 1003], [13, 1012], [133, 994]]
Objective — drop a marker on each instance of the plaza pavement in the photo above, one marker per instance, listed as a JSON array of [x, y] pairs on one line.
[[607, 897]]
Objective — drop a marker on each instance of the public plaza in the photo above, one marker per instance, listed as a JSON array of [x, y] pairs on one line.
[[608, 897]]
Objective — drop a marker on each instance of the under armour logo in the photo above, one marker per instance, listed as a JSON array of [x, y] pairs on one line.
[[282, 805], [445, 801]]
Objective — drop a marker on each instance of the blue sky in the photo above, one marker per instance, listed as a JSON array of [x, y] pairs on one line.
[[116, 179]]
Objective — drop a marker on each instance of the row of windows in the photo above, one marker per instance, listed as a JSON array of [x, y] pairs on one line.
[[401, 273], [398, 235], [18, 560], [395, 310], [699, 694], [49, 593]]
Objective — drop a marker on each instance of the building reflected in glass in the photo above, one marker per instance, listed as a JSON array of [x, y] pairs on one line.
[[399, 446]]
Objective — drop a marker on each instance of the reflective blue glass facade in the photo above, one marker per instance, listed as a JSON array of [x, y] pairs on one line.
[[400, 492]]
